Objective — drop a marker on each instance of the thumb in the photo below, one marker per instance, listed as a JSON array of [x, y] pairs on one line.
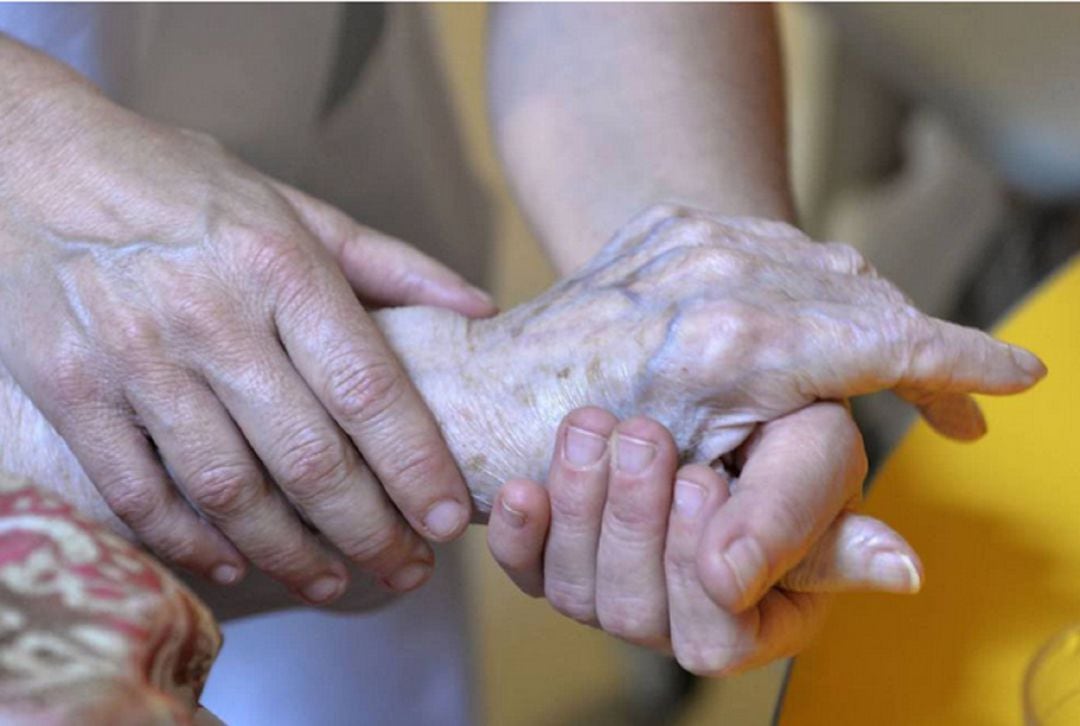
[[383, 270]]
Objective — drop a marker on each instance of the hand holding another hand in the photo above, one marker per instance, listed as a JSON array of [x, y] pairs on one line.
[[620, 538], [192, 330]]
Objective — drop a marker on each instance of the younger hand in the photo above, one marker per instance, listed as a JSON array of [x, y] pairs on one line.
[[613, 543]]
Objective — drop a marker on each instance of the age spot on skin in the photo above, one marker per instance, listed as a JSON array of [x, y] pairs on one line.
[[476, 463], [525, 395], [592, 374]]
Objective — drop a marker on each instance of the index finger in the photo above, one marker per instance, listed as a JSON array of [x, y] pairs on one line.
[[801, 470], [348, 365]]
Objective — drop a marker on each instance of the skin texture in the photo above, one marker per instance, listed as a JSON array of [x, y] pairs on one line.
[[192, 330], [497, 410], [600, 110], [613, 544], [660, 324]]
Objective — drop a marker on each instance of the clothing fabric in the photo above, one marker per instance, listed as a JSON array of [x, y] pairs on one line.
[[272, 83]]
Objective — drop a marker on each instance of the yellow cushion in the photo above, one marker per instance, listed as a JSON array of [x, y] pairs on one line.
[[997, 524]]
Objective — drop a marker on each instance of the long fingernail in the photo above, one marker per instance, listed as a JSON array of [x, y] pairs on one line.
[[323, 590], [633, 456], [748, 566], [225, 574], [408, 577], [688, 498], [446, 519], [583, 448], [895, 572], [1027, 362], [513, 516]]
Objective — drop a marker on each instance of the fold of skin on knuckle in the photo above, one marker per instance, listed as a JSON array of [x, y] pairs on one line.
[[642, 621], [379, 545], [224, 491], [574, 600], [362, 389], [315, 464], [135, 502]]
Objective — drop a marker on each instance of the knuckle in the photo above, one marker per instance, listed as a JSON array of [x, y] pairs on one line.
[[224, 491], [71, 378], [175, 548], [362, 391], [846, 259], [662, 211], [274, 257], [728, 263], [379, 546], [572, 600], [419, 467], [136, 504], [704, 660], [284, 563], [630, 621], [312, 464]]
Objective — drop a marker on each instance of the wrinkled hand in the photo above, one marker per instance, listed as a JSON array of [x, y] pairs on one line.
[[714, 326], [619, 538], [192, 329]]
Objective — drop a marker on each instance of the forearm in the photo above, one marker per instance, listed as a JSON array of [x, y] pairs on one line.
[[602, 110]]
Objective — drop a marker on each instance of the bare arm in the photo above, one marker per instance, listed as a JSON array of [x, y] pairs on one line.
[[600, 111]]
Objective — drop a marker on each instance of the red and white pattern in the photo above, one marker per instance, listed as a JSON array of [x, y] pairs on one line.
[[92, 630]]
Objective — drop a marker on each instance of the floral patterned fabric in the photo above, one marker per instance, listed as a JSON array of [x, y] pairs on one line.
[[92, 629]]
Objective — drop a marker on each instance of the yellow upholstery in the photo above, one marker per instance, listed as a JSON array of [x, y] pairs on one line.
[[997, 524]]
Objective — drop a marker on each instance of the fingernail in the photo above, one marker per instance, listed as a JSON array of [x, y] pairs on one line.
[[688, 498], [409, 577], [747, 564], [323, 589], [513, 516], [225, 574], [632, 455], [895, 572], [481, 296], [583, 448], [1029, 363], [445, 519]]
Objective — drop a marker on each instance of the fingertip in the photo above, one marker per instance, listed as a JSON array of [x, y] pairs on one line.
[[956, 416], [583, 439], [228, 573], [446, 520], [1029, 363], [517, 533], [896, 572], [462, 298], [523, 502]]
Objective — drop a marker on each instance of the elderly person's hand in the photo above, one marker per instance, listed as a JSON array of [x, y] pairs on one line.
[[713, 326], [615, 539], [192, 329], [704, 325]]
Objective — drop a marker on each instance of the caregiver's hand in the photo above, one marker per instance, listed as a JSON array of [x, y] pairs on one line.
[[610, 543], [193, 331]]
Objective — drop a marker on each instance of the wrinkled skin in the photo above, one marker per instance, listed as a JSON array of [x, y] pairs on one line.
[[192, 329], [709, 326], [613, 540]]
